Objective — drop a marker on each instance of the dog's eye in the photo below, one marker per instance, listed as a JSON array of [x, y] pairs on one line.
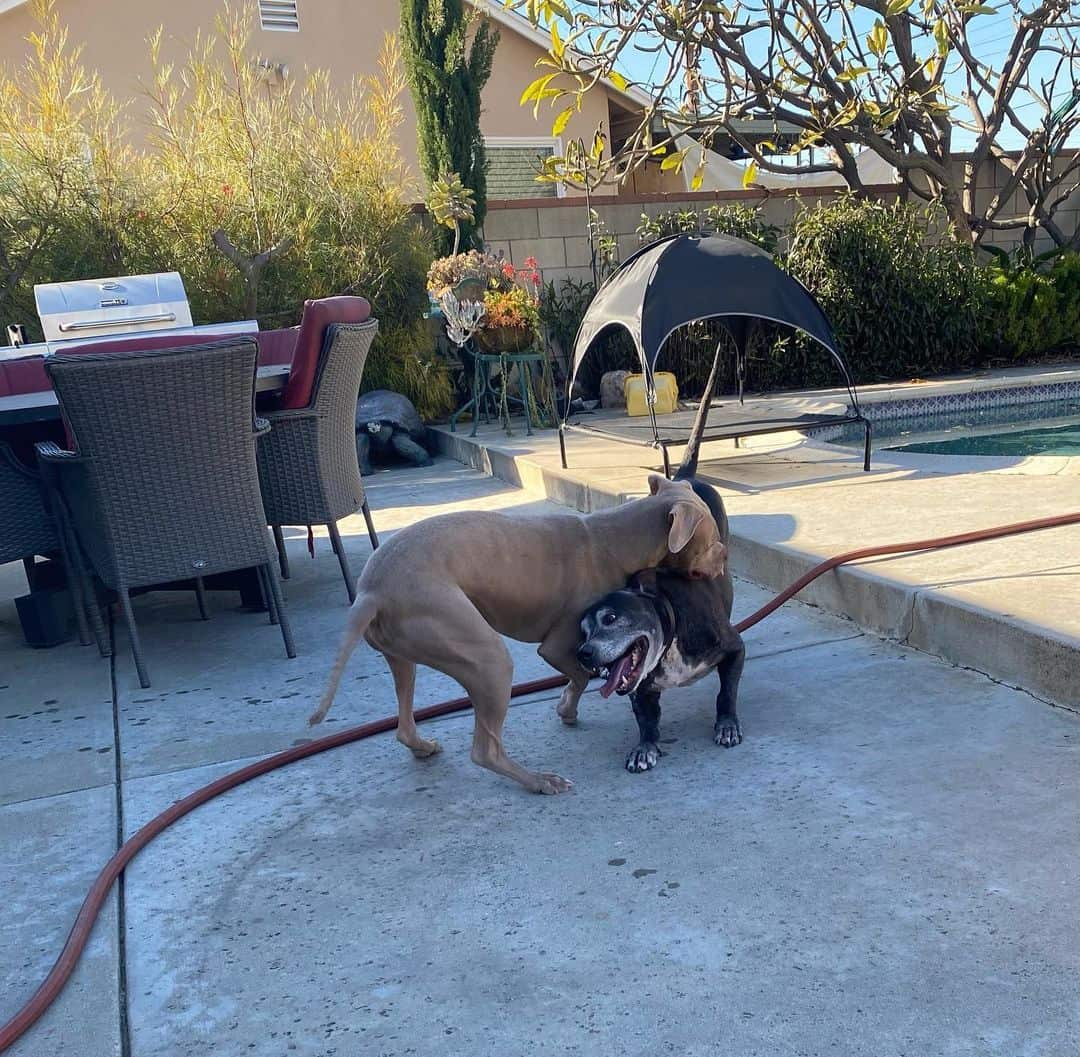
[[608, 618]]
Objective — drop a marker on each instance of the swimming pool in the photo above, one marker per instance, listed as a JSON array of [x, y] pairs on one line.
[[974, 427]]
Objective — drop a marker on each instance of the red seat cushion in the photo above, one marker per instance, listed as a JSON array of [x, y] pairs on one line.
[[318, 315], [25, 376], [277, 346]]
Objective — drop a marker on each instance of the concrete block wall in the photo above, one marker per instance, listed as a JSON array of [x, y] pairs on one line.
[[553, 230]]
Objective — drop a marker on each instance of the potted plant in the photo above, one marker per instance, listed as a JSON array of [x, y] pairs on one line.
[[465, 275], [512, 317]]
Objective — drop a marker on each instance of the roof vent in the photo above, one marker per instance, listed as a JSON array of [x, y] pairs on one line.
[[279, 15]]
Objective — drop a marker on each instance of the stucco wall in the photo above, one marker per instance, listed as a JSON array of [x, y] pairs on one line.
[[342, 36]]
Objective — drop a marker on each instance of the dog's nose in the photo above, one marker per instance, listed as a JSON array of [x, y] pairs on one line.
[[587, 656]]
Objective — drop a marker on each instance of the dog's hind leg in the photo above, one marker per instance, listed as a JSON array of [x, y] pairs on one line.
[[449, 634], [559, 649], [726, 731], [404, 673], [488, 683]]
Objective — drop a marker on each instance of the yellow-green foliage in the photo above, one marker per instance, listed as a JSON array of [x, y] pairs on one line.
[[407, 364], [65, 192], [1033, 311], [293, 169], [314, 177]]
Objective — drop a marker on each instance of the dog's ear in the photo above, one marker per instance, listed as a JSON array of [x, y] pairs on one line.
[[645, 582], [685, 519], [656, 482]]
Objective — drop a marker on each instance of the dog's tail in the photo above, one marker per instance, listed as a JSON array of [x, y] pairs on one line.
[[361, 614], [690, 457]]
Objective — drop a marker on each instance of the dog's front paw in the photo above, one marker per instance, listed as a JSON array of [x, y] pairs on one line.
[[643, 757], [727, 732]]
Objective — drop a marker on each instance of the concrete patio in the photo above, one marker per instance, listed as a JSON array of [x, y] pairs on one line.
[[886, 866], [1008, 607]]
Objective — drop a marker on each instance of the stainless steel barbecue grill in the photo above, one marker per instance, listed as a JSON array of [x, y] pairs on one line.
[[91, 310]]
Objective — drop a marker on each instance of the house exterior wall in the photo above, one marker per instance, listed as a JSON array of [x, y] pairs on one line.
[[343, 37]]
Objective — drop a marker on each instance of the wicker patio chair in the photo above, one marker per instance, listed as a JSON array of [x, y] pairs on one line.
[[162, 485], [307, 462], [30, 525]]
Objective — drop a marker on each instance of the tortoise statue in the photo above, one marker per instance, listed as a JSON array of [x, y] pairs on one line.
[[385, 422]]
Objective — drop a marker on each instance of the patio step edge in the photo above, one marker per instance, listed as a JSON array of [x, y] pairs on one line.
[[1040, 660]]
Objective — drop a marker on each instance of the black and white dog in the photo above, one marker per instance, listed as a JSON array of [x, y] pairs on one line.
[[661, 631]]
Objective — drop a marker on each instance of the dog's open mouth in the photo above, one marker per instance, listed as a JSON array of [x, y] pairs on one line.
[[623, 675]]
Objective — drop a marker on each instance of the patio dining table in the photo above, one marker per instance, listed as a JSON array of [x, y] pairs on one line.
[[26, 397], [30, 411]]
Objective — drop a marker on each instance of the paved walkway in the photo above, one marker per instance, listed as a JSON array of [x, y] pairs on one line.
[[886, 866]]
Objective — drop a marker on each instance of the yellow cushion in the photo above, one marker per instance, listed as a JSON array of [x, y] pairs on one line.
[[667, 394]]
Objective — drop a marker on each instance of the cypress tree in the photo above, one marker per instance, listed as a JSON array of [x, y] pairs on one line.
[[446, 76]]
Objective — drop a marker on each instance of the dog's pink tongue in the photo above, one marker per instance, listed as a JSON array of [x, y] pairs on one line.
[[620, 668]]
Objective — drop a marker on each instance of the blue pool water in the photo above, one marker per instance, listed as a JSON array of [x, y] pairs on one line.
[[1049, 440], [980, 431]]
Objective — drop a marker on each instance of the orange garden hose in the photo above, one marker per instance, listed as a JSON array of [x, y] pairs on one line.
[[58, 976]]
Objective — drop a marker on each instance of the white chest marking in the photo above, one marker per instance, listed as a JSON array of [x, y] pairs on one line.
[[676, 670]]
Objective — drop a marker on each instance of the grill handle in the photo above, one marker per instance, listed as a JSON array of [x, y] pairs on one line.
[[101, 324]]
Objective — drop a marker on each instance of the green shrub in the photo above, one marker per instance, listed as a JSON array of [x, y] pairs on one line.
[[742, 221], [1032, 307], [903, 296], [66, 197], [403, 360]]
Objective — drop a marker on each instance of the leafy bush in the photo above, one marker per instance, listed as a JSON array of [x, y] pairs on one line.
[[260, 195], [1032, 306], [903, 296], [737, 219], [66, 198], [406, 363]]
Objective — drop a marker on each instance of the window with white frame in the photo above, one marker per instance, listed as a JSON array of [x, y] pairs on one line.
[[513, 164], [281, 15]]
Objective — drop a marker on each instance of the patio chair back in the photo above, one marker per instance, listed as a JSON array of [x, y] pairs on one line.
[[311, 341], [26, 526], [309, 470], [164, 484], [307, 462]]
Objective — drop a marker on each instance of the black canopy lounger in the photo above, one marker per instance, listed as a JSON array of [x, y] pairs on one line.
[[689, 278]]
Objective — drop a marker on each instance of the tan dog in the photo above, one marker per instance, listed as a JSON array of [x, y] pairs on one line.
[[443, 591]]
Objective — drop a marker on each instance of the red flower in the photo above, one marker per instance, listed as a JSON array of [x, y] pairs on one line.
[[226, 189], [530, 262], [535, 277], [508, 270]]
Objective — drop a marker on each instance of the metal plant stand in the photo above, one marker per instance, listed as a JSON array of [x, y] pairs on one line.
[[488, 399]]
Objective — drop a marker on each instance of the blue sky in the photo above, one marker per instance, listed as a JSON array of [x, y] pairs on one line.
[[990, 36]]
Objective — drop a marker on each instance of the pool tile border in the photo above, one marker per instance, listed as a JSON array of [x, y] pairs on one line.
[[982, 399]]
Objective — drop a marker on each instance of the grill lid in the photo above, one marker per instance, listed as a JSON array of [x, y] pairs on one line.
[[97, 308]]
